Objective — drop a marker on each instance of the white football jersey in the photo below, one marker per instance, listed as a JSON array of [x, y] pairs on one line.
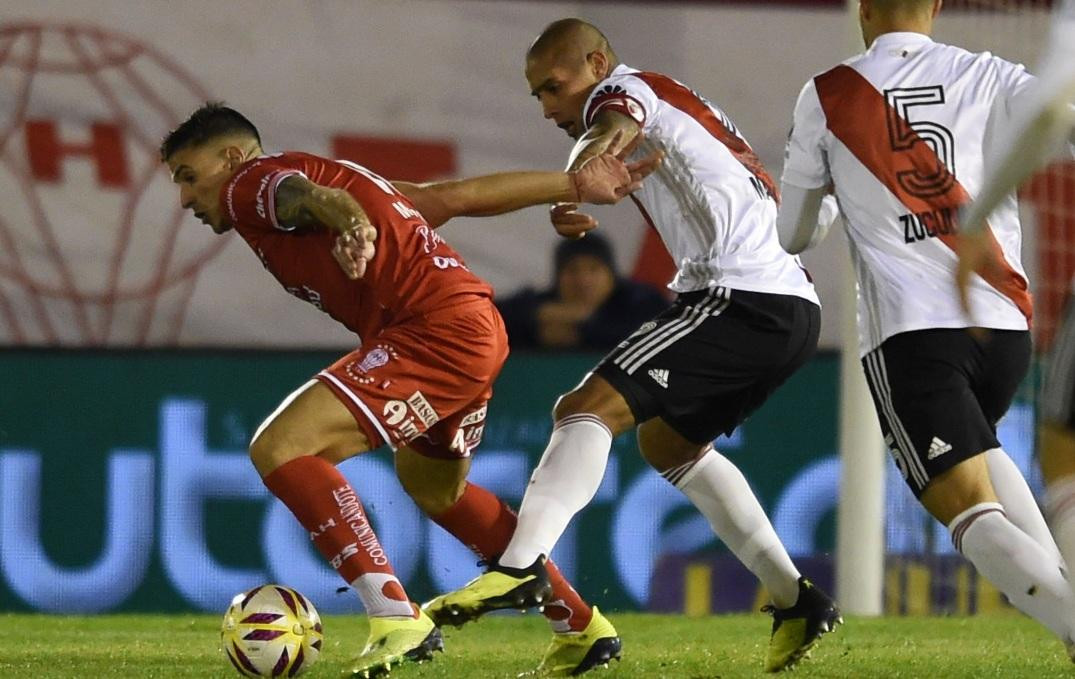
[[902, 131], [711, 200]]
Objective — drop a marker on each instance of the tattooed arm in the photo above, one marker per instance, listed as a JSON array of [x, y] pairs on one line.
[[300, 204]]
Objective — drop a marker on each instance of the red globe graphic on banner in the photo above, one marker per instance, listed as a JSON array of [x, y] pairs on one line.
[[91, 246]]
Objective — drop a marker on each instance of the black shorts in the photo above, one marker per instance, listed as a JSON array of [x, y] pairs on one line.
[[712, 358], [939, 394], [1058, 393]]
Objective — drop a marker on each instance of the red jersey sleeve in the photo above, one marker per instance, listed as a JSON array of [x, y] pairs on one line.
[[250, 196]]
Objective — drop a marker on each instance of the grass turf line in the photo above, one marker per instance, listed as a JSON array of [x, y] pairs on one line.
[[143, 646]]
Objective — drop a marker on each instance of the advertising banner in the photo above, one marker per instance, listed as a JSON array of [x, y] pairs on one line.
[[125, 485]]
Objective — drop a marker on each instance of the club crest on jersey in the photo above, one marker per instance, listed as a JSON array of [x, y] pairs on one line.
[[374, 359], [377, 357]]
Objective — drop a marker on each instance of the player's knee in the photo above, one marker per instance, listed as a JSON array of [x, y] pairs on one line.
[[433, 500], [267, 453], [595, 398], [664, 448], [957, 489], [571, 403], [665, 454]]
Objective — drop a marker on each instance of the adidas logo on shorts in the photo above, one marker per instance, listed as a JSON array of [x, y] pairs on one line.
[[937, 448], [660, 376]]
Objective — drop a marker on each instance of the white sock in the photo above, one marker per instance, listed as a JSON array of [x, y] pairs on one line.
[[1060, 504], [1019, 503], [564, 482], [371, 590], [1017, 565], [719, 491]]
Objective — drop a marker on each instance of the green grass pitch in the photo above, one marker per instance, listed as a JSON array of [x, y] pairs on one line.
[[146, 646]]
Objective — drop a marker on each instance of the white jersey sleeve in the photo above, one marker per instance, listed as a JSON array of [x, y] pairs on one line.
[[623, 93], [806, 162], [1012, 102]]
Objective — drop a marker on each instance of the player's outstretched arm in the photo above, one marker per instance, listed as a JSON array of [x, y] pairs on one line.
[[1027, 150], [611, 132], [604, 180], [300, 203], [1047, 121]]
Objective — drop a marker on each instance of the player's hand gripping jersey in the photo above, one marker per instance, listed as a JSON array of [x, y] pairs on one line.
[[414, 274], [902, 130], [711, 200]]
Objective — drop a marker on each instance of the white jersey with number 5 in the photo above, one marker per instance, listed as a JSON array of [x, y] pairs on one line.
[[902, 132], [711, 200]]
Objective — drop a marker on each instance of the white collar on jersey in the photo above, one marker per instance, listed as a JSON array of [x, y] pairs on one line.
[[900, 41]]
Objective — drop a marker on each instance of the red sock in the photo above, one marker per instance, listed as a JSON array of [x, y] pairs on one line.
[[327, 506], [484, 524]]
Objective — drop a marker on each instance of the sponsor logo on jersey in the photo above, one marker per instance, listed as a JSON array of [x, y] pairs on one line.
[[422, 409], [406, 212], [616, 98], [448, 263], [307, 294], [474, 417], [660, 376], [937, 448], [352, 513], [314, 534], [229, 194], [430, 238], [259, 201]]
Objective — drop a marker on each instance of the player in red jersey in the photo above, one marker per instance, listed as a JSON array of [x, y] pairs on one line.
[[432, 344]]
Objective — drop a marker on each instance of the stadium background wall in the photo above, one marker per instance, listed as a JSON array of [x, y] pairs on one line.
[[125, 486], [97, 253]]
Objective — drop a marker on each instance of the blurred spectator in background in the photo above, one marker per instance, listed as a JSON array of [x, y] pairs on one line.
[[589, 306]]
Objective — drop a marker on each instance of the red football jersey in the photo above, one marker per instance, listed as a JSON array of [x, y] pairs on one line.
[[414, 272]]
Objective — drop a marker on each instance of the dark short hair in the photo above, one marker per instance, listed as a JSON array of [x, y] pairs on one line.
[[210, 121], [592, 245]]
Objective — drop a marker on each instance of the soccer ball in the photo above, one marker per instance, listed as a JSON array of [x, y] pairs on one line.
[[271, 631]]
